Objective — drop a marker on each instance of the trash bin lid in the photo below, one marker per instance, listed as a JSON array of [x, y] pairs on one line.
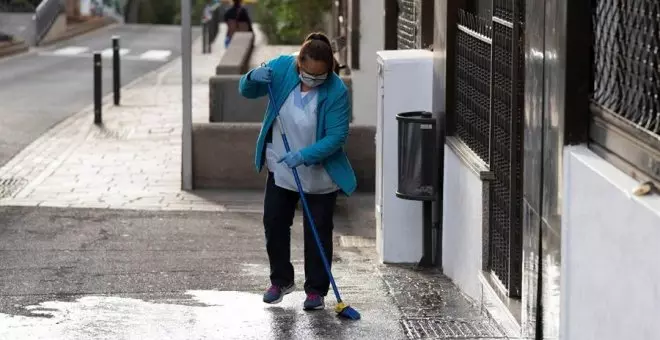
[[417, 117]]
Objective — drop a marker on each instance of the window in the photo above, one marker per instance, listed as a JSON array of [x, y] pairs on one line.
[[625, 124]]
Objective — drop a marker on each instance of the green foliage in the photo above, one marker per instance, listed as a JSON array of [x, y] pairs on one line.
[[289, 21], [20, 5]]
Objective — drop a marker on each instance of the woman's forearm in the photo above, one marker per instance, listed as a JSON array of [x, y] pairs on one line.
[[334, 139], [322, 149], [249, 88]]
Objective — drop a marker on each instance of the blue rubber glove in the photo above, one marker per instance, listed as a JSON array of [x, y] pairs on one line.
[[261, 74], [227, 40], [292, 159]]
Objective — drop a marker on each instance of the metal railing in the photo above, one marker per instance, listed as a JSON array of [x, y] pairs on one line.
[[45, 15]]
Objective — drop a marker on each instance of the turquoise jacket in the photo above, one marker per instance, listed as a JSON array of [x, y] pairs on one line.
[[334, 109]]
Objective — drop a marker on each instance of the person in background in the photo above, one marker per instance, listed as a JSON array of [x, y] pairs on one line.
[[207, 15], [207, 29], [314, 108], [237, 19]]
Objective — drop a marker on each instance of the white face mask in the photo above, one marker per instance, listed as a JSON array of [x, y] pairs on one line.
[[310, 80]]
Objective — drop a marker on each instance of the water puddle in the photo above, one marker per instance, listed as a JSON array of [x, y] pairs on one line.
[[208, 315]]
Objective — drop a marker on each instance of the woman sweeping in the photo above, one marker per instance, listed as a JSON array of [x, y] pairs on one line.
[[313, 106]]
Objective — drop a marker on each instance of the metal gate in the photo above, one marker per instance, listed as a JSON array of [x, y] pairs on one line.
[[407, 24], [489, 120]]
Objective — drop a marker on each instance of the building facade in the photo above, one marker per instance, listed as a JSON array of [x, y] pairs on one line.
[[550, 154]]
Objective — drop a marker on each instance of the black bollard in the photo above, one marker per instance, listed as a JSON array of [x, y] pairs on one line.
[[116, 70], [205, 38], [97, 87]]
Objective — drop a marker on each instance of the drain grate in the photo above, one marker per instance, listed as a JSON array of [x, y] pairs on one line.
[[451, 329], [9, 186]]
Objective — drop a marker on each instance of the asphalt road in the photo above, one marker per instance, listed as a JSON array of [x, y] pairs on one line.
[[43, 87], [68, 274]]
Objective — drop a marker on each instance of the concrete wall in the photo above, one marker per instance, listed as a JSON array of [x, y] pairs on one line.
[[19, 25], [223, 156], [462, 225], [610, 277], [57, 29], [236, 58], [227, 104], [365, 80]]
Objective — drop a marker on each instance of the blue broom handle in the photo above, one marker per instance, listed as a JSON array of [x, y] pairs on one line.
[[310, 217]]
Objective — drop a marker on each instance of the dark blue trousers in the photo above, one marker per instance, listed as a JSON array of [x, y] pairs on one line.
[[279, 210]]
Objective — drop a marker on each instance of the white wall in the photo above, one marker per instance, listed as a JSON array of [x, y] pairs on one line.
[[365, 80], [610, 253], [462, 225], [85, 7]]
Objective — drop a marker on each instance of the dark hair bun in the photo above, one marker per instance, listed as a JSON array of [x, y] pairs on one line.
[[319, 51], [318, 36]]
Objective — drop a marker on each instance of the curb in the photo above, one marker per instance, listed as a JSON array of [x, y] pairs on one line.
[[79, 30], [12, 48]]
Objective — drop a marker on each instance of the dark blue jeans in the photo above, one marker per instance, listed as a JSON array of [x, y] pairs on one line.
[[279, 209]]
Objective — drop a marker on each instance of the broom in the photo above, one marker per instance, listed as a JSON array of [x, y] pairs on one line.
[[342, 309]]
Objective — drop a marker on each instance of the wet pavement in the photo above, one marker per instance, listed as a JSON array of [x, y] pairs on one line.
[[116, 274]]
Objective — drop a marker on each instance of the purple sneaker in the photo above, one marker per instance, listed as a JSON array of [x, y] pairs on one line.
[[274, 294], [314, 302]]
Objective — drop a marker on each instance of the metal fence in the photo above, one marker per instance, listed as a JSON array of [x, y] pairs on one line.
[[473, 82], [626, 87], [505, 230], [489, 120]]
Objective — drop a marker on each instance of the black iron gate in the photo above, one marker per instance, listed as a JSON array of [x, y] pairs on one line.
[[489, 120], [507, 98]]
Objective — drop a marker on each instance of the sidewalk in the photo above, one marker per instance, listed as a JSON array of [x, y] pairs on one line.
[[159, 263], [134, 160], [131, 162]]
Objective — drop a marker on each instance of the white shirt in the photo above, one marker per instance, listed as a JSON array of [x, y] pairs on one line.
[[208, 13], [298, 114]]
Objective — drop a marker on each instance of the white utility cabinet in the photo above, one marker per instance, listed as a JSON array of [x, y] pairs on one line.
[[405, 83]]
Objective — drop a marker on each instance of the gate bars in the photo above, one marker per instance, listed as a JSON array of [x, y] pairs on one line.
[[489, 120]]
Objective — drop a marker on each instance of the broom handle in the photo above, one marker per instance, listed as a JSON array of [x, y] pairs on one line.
[[310, 218]]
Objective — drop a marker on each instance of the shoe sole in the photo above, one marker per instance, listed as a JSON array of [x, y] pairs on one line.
[[322, 306], [284, 292]]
